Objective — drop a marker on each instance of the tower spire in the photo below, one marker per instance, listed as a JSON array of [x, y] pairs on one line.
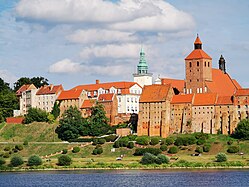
[[222, 64], [198, 43], [142, 67]]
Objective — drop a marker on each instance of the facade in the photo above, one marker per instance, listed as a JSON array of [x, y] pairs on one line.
[[208, 100]]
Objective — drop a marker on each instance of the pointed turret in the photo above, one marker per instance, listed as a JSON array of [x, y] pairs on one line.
[[142, 67], [198, 43], [222, 64]]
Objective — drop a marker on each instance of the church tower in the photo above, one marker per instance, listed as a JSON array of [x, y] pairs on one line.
[[142, 77], [222, 64], [198, 69]]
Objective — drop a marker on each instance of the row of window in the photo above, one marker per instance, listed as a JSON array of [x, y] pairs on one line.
[[206, 64], [132, 109]]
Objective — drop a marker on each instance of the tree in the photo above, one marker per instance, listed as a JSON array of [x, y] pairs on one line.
[[72, 125], [56, 110], [242, 130], [64, 160], [36, 114], [37, 81], [98, 121], [23, 80], [16, 161], [4, 85], [221, 157], [34, 160]]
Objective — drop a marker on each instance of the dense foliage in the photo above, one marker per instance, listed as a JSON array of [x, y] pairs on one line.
[[142, 151], [16, 161], [34, 160], [149, 158], [64, 160], [2, 161], [143, 140], [76, 149], [56, 110], [37, 81], [242, 130], [173, 150], [221, 157], [233, 149], [36, 114]]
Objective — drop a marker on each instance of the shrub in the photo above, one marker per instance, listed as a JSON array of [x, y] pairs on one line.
[[233, 149], [64, 151], [110, 138], [179, 141], [6, 155], [154, 141], [76, 149], [143, 140], [98, 150], [101, 140], [95, 152], [200, 135], [148, 158], [242, 130], [142, 151], [132, 137], [164, 159], [34, 160], [200, 141], [95, 142], [189, 140], [130, 145], [123, 142], [64, 160], [16, 161], [19, 147], [173, 150], [2, 161], [15, 150], [169, 141], [164, 147], [116, 144], [206, 147], [199, 149], [36, 114], [230, 142], [221, 157], [25, 142], [7, 148]]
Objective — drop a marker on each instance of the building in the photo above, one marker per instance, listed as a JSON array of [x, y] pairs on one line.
[[208, 100]]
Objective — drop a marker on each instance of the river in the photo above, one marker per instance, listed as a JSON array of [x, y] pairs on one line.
[[128, 178]]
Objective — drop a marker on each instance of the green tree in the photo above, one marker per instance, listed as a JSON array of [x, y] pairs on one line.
[[72, 125], [23, 80], [242, 130], [56, 110], [39, 81], [221, 157], [36, 114], [34, 160], [16, 161], [64, 160], [98, 121]]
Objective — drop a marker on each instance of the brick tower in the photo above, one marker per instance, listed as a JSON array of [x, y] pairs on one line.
[[198, 69]]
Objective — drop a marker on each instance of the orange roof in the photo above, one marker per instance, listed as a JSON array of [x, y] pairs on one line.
[[205, 99], [106, 97], [70, 94], [197, 40], [236, 84], [198, 54], [155, 93], [222, 84], [175, 83], [23, 88], [224, 100], [178, 99], [87, 103], [49, 89], [242, 92]]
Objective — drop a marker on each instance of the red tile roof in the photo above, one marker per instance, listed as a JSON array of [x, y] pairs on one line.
[[205, 99], [106, 97], [224, 100], [198, 54], [155, 93], [23, 88], [51, 89], [221, 84], [70, 94], [175, 83], [242, 92], [197, 40], [88, 103], [237, 85], [178, 99]]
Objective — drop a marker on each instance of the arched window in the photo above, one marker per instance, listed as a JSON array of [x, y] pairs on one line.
[[208, 64], [198, 63], [190, 64]]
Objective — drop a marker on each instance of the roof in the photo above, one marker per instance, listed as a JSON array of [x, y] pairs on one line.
[[198, 54], [155, 93], [178, 99], [106, 97], [87, 103], [242, 92], [224, 100], [197, 40], [205, 99], [221, 84], [23, 88], [236, 84], [51, 89], [175, 83], [70, 94]]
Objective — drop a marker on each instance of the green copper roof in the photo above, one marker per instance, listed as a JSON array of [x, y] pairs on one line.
[[142, 67]]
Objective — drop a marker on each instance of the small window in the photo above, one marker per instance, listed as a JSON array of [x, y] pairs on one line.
[[208, 64], [205, 63], [198, 63], [190, 64]]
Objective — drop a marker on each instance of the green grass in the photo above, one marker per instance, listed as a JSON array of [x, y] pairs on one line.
[[1, 125]]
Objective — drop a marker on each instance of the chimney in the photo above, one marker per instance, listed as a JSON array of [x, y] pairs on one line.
[[97, 81], [51, 87]]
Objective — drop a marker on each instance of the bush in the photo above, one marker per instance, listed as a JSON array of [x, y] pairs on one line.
[[199, 149], [7, 148], [34, 160], [164, 147], [130, 145], [148, 158], [101, 141], [123, 142], [64, 151], [95, 142], [169, 141], [173, 150], [143, 140], [221, 157], [233, 149], [230, 142], [206, 147], [200, 142], [16, 161], [25, 142], [132, 137], [2, 161], [154, 141], [6, 155], [64, 160], [110, 138], [116, 144], [189, 140], [164, 159], [76, 149], [142, 151], [242, 130], [95, 152], [15, 150], [19, 147], [98, 150], [36, 114], [179, 141], [201, 136]]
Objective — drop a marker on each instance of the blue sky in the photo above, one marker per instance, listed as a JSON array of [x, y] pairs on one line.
[[78, 41]]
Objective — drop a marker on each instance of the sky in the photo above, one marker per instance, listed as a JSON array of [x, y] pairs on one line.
[[73, 42]]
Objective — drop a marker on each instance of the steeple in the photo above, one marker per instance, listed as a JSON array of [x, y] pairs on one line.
[[222, 64], [198, 43], [142, 67]]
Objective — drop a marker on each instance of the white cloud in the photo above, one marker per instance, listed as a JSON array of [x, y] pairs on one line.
[[7, 76], [91, 36], [65, 66]]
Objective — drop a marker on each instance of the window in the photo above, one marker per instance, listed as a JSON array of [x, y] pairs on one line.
[[205, 63], [198, 63], [197, 80], [190, 64], [128, 108], [128, 100], [119, 99], [208, 64]]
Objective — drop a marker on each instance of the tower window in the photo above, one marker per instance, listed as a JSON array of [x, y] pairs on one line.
[[197, 80], [190, 64], [208, 64], [198, 63], [205, 63]]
